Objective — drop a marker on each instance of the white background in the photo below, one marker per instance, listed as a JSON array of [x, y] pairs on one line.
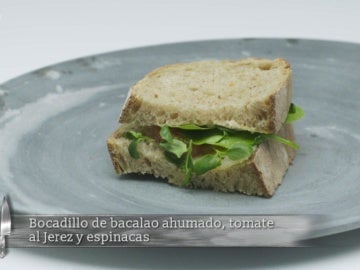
[[38, 33]]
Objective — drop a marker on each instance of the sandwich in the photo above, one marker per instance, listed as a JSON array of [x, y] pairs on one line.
[[216, 124]]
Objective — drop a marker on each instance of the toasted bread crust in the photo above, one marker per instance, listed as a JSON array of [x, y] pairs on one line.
[[259, 175]]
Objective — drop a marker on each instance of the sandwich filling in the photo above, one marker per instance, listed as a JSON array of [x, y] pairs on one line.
[[199, 149]]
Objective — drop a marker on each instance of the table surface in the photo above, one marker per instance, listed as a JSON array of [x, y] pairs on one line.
[[37, 33]]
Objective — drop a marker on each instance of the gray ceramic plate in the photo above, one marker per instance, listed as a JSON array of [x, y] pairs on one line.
[[54, 123]]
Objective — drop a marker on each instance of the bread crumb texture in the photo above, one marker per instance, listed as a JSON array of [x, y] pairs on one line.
[[260, 175], [250, 94]]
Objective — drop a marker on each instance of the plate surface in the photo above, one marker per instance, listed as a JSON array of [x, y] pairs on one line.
[[54, 123]]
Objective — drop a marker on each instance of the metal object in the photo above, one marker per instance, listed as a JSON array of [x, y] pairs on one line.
[[5, 223]]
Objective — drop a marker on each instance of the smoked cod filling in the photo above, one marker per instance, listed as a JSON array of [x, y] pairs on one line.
[[199, 149]]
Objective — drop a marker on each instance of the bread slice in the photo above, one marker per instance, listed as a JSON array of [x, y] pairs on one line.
[[251, 94], [259, 175]]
